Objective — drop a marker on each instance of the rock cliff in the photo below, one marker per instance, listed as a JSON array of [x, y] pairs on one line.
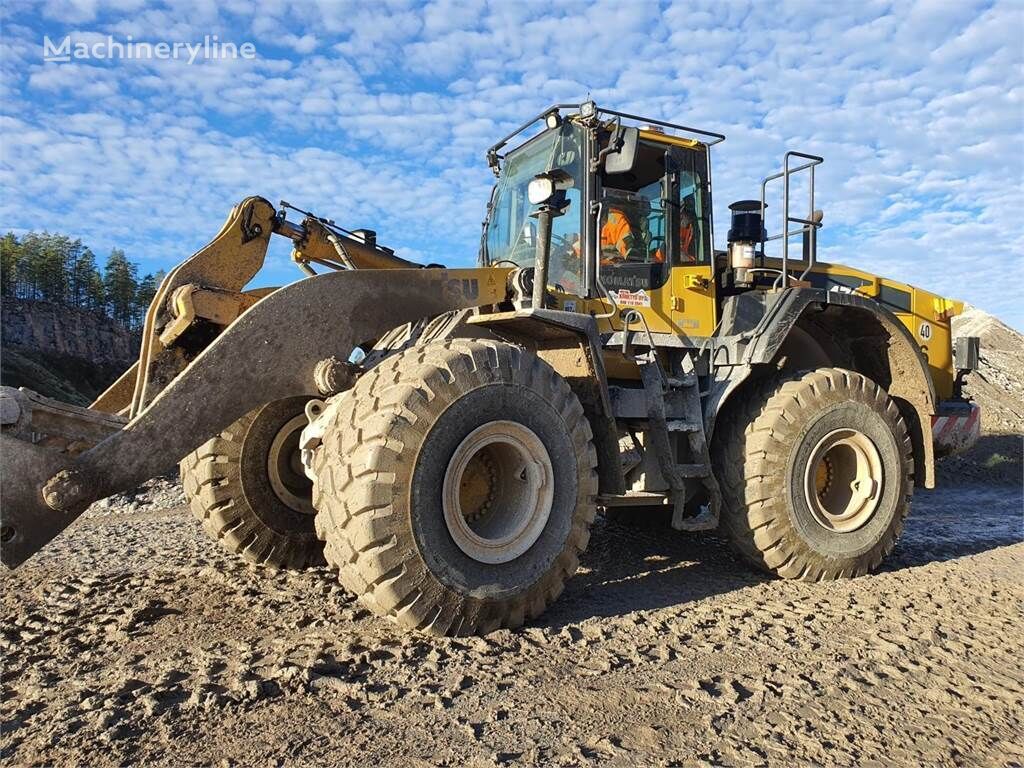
[[71, 354]]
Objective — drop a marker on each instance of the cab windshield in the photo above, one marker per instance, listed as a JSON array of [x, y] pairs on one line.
[[512, 234]]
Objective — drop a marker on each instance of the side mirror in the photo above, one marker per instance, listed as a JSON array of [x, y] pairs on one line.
[[622, 159]]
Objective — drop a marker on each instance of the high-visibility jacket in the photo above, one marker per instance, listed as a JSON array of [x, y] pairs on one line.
[[686, 251], [685, 245], [616, 233]]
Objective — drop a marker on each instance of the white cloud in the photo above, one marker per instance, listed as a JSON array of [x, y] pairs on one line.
[[379, 114]]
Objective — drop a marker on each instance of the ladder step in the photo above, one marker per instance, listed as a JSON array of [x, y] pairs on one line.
[[677, 425], [694, 470], [633, 499], [687, 380]]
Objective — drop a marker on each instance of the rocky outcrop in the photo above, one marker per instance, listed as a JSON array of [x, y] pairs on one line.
[[55, 329], [61, 352]]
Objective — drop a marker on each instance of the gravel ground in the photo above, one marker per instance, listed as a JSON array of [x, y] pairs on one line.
[[132, 639]]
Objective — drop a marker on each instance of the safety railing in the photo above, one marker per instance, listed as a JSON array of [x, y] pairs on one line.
[[808, 226]]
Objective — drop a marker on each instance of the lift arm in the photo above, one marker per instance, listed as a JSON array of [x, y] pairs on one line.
[[210, 354]]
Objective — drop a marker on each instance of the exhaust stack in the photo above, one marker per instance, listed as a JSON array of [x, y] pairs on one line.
[[746, 231]]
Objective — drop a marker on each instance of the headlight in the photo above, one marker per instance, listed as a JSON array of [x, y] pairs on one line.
[[544, 185], [540, 190]]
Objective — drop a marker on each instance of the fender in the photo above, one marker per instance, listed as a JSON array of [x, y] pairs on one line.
[[909, 384], [268, 353]]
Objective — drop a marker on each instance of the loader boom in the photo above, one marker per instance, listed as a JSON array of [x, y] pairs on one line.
[[184, 393], [221, 269]]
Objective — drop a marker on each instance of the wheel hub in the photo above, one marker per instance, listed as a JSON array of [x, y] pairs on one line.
[[843, 480], [498, 491], [284, 468]]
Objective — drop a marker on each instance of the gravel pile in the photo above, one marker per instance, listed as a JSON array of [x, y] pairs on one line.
[[998, 384], [160, 492]]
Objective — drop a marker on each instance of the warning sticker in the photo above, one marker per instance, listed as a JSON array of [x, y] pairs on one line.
[[626, 298]]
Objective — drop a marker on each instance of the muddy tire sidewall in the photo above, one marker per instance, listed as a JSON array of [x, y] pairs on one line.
[[761, 453], [851, 544], [228, 489], [384, 504], [259, 493], [443, 557]]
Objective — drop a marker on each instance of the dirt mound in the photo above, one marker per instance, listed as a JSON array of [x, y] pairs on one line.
[[997, 386]]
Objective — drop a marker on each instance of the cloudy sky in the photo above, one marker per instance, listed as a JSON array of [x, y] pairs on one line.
[[378, 115]]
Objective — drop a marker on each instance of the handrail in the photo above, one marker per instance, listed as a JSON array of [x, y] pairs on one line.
[[810, 226], [718, 137], [528, 123]]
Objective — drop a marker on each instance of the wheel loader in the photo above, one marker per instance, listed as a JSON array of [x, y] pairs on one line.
[[443, 438]]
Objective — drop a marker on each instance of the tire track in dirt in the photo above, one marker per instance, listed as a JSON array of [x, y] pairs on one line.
[[134, 639]]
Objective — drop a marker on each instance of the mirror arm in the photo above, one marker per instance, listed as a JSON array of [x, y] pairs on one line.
[[615, 142]]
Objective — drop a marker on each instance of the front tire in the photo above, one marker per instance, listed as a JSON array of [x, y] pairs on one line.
[[247, 487], [816, 475], [456, 486]]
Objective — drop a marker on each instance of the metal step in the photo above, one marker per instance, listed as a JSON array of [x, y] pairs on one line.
[[678, 425], [633, 499], [679, 382], [694, 470]]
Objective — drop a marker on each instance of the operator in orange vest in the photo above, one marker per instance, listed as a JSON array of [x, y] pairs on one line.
[[687, 233], [616, 237]]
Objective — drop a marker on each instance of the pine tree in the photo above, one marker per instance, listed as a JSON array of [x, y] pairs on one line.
[[82, 267], [143, 297], [30, 267], [96, 293], [120, 284], [10, 256], [52, 271]]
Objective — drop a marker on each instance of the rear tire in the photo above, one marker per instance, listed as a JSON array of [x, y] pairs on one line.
[[816, 473], [455, 487], [247, 488]]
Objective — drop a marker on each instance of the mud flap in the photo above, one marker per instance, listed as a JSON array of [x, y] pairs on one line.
[[955, 428]]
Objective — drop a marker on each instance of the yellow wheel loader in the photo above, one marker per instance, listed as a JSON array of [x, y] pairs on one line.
[[443, 438]]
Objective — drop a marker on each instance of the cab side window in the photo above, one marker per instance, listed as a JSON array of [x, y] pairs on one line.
[[694, 229], [654, 216]]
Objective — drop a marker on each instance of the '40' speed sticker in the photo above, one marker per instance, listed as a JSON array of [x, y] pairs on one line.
[[925, 330]]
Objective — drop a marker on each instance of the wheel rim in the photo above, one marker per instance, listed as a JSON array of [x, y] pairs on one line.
[[497, 492], [284, 468], [843, 480]]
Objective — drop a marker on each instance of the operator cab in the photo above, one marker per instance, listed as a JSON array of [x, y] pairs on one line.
[[653, 215], [636, 200]]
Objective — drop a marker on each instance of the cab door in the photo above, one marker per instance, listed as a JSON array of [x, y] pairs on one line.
[[666, 275], [691, 289]]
